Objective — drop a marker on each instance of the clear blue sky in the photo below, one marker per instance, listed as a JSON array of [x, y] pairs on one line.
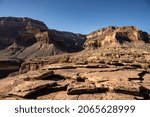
[[81, 16]]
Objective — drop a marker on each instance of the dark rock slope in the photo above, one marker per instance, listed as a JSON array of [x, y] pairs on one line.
[[26, 38]]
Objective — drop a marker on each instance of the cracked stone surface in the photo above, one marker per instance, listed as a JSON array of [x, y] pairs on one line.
[[76, 84]]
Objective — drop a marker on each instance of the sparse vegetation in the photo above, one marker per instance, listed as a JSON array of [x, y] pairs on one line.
[[145, 66], [64, 59]]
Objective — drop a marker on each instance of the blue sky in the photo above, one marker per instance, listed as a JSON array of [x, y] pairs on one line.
[[81, 16]]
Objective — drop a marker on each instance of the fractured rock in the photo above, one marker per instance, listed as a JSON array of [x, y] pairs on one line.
[[59, 66], [84, 88], [117, 96], [127, 88], [72, 97], [97, 79], [60, 86], [37, 74], [95, 96], [61, 95], [80, 88], [29, 87]]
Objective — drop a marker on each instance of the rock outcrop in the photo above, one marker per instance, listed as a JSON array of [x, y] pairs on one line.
[[80, 83], [111, 63], [26, 38], [11, 28], [115, 35]]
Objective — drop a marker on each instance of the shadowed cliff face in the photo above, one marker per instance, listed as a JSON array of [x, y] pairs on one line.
[[67, 41], [11, 28], [27, 38]]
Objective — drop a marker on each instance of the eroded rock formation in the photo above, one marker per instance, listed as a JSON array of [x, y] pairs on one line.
[[115, 35], [26, 38], [41, 63], [80, 83]]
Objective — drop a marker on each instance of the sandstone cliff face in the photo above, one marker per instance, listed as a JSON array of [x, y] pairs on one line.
[[116, 35], [26, 38], [11, 28]]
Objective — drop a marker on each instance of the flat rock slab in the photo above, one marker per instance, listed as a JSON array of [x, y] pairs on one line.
[[37, 74], [50, 96], [127, 88], [66, 73], [64, 83], [96, 79], [83, 88], [118, 96], [14, 98], [29, 87], [60, 95], [59, 66], [146, 85], [96, 65], [123, 86], [72, 97], [71, 66], [80, 88], [95, 96], [60, 86]]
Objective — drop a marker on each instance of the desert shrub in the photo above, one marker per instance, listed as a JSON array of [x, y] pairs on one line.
[[145, 66], [64, 59]]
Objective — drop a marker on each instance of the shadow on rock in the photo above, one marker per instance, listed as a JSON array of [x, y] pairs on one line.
[[141, 76]]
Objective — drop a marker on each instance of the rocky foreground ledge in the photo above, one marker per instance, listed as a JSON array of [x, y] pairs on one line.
[[77, 82], [41, 63]]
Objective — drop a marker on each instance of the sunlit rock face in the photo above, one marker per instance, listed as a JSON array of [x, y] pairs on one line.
[[116, 35]]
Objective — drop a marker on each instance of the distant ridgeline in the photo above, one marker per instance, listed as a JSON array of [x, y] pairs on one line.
[[26, 38]]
